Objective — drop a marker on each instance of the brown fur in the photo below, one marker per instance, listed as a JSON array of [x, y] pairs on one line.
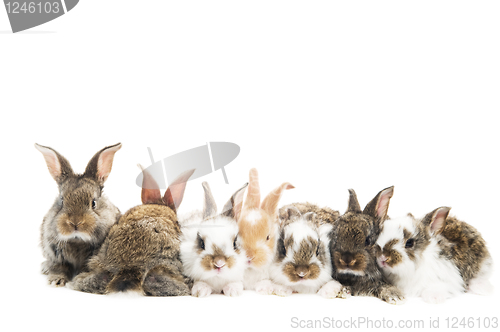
[[74, 229], [252, 233], [352, 242], [464, 245], [208, 262], [141, 251], [307, 248]]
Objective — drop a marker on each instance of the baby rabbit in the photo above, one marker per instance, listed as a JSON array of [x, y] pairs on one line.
[[435, 257], [352, 243], [210, 249], [141, 251], [258, 231], [81, 216], [302, 263]]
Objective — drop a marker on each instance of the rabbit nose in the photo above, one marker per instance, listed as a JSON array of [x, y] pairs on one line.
[[219, 262], [347, 260], [74, 224], [302, 271], [385, 259]]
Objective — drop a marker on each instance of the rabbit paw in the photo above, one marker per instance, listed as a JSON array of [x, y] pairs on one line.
[[57, 280], [480, 286], [233, 289], [264, 287], [334, 289], [282, 290], [392, 295], [201, 289]]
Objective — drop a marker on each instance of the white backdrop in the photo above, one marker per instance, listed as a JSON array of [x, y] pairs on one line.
[[326, 95]]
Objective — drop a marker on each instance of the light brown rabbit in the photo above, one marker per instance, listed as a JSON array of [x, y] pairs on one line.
[[258, 231], [141, 252]]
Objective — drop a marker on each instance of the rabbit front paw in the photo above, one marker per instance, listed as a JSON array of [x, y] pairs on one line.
[[233, 289], [57, 280], [334, 289], [201, 289]]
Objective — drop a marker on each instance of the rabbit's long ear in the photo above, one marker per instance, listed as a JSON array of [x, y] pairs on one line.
[[379, 205], [175, 191], [436, 219], [100, 165], [353, 204], [209, 205], [270, 203], [253, 196], [150, 190], [59, 167], [232, 208]]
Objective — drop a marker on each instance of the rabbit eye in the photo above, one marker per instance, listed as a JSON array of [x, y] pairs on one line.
[[367, 241], [94, 204], [317, 251], [268, 237], [410, 243], [235, 245], [200, 243]]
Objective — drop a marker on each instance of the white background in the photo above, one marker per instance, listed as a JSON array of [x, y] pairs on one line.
[[326, 95]]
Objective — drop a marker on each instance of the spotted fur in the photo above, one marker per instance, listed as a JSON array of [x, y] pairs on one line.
[[302, 263], [435, 257], [81, 216]]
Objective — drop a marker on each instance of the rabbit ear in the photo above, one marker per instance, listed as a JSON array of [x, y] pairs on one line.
[[309, 216], [353, 204], [270, 203], [100, 165], [232, 208], [209, 205], [292, 212], [175, 191], [253, 197], [150, 190], [379, 205], [58, 166], [436, 220]]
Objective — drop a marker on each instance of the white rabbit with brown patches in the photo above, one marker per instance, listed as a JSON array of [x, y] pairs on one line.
[[302, 263], [435, 257], [210, 249]]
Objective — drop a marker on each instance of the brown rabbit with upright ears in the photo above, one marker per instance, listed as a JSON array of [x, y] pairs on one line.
[[352, 248], [142, 251], [81, 216]]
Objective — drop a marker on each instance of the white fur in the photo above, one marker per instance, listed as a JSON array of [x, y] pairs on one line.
[[253, 216], [220, 231], [302, 229], [431, 277]]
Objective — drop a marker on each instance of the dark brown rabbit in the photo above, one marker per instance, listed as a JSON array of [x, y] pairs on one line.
[[141, 252], [352, 248], [78, 222]]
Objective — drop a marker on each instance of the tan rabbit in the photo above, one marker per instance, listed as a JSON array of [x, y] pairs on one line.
[[141, 252], [258, 231]]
